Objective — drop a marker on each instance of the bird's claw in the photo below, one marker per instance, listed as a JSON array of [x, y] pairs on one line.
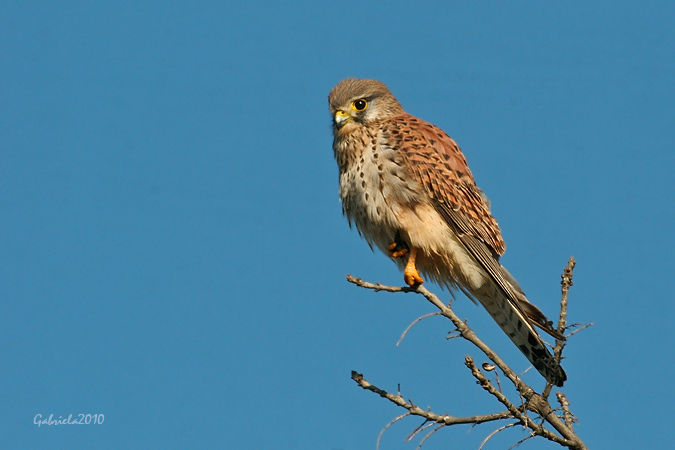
[[411, 276], [395, 251]]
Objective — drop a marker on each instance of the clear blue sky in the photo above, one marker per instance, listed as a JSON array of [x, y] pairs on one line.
[[173, 250]]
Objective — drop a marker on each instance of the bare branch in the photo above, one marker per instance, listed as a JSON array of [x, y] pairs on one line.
[[379, 436], [565, 404], [565, 284], [582, 326], [428, 436], [464, 330], [529, 398], [428, 415], [413, 324], [521, 441], [423, 426], [485, 384], [494, 433]]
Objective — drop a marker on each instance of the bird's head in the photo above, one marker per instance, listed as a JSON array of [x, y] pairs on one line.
[[354, 101]]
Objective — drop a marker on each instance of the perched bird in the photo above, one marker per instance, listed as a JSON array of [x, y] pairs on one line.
[[407, 187]]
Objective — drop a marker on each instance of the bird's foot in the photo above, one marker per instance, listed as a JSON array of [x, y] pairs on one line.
[[411, 275], [396, 251]]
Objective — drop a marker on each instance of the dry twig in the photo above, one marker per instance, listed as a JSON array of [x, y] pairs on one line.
[[530, 399]]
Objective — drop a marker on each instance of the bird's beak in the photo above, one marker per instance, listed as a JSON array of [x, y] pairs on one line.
[[341, 118]]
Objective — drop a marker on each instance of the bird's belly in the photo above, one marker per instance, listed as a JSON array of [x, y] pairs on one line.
[[385, 216], [440, 254]]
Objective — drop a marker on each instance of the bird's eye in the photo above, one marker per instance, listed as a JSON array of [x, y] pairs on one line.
[[359, 105]]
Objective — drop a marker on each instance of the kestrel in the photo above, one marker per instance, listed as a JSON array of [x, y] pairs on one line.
[[407, 187]]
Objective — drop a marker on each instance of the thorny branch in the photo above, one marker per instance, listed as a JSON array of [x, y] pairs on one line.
[[529, 400]]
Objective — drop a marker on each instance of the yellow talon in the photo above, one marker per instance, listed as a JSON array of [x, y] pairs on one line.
[[411, 275], [393, 253]]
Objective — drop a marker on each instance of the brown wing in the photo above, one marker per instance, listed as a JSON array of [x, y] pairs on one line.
[[438, 164]]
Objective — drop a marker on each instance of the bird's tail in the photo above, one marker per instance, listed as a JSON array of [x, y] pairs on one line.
[[516, 319]]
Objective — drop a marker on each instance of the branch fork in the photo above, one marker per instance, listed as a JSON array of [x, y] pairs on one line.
[[530, 400]]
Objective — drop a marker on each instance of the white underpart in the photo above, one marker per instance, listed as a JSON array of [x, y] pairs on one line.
[[430, 234], [381, 210]]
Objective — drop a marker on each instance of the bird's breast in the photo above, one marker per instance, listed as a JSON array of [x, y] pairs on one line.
[[383, 199], [374, 188]]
